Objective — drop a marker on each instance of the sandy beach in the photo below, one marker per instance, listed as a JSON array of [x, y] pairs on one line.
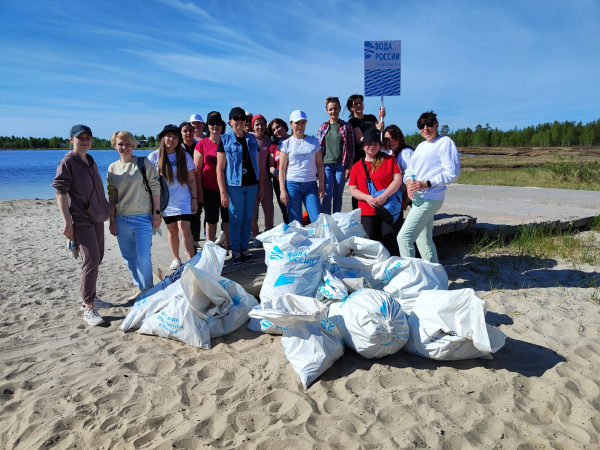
[[67, 385]]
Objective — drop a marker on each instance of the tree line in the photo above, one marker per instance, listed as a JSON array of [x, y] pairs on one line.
[[556, 134], [24, 143]]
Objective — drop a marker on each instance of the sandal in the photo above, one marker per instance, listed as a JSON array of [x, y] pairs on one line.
[[175, 264]]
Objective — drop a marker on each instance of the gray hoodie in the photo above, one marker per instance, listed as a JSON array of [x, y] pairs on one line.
[[82, 185]]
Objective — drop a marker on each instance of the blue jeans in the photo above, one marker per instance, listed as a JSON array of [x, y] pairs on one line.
[[335, 180], [303, 192], [418, 227], [241, 210], [134, 235]]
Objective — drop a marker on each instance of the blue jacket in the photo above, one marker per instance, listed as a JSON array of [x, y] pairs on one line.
[[233, 156]]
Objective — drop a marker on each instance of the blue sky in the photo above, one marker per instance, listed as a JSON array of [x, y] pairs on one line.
[[138, 65]]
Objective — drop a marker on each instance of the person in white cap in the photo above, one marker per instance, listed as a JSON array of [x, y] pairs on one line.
[[300, 166], [198, 123]]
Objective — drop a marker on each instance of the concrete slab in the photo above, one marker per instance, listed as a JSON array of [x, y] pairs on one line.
[[506, 208], [486, 209]]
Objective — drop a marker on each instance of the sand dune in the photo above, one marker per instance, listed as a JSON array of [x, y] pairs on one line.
[[67, 385]]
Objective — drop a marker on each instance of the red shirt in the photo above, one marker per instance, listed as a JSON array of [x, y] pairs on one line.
[[208, 150], [274, 149], [382, 178]]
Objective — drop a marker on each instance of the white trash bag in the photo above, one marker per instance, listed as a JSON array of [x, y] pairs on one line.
[[371, 322], [362, 249], [222, 325], [405, 278], [296, 266], [349, 224], [332, 289], [324, 227], [266, 238], [312, 348], [211, 260], [275, 316], [186, 317], [450, 325]]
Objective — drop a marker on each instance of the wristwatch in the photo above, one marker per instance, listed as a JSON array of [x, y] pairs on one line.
[[157, 212], [428, 183]]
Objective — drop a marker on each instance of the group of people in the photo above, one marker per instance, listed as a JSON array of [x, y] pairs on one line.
[[230, 174]]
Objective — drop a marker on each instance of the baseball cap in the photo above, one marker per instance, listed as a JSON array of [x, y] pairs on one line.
[[214, 116], [237, 111], [297, 115], [76, 130], [196, 118]]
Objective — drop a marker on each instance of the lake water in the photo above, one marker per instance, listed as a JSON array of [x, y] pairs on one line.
[[29, 173]]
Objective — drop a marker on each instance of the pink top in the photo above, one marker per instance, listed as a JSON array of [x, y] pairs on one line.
[[208, 150]]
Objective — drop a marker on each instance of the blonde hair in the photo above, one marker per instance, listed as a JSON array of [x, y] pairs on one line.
[[123, 135]]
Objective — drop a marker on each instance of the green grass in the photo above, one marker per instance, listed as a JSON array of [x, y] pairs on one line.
[[545, 241], [546, 171], [525, 176]]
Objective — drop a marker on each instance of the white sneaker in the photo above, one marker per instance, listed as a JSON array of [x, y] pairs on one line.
[[221, 238], [92, 317], [98, 304], [175, 264]]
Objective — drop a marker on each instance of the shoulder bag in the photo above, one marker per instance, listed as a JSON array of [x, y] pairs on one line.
[[391, 210]]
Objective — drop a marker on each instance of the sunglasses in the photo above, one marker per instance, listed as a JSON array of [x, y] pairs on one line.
[[426, 124], [239, 118], [215, 124]]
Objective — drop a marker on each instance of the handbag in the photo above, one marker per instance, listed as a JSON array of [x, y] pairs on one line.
[[391, 210], [164, 189]]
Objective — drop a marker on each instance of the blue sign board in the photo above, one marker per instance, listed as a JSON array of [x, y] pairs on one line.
[[382, 68]]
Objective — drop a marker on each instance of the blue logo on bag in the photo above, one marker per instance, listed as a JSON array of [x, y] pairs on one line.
[[276, 253], [284, 280], [384, 310]]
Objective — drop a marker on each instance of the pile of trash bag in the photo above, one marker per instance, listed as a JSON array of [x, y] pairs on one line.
[[327, 287], [195, 304]]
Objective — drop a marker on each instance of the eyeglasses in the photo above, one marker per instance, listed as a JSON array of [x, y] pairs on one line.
[[239, 118], [429, 124], [248, 118], [358, 103]]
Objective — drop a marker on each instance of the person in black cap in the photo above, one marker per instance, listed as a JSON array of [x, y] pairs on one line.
[[205, 158], [84, 209], [237, 177], [385, 173], [178, 169]]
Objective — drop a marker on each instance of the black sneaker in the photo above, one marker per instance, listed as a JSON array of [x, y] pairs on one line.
[[246, 256], [236, 257]]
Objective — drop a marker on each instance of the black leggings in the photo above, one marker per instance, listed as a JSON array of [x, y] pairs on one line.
[[284, 212], [378, 230]]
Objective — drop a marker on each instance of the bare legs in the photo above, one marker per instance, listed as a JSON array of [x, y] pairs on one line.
[[184, 228]]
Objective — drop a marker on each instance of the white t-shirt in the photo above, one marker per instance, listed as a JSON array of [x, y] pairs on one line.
[[180, 197], [301, 158]]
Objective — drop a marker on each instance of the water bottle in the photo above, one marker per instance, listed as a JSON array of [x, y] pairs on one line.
[[416, 200], [72, 248]]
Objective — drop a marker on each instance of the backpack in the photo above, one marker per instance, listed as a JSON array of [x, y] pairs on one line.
[[164, 189]]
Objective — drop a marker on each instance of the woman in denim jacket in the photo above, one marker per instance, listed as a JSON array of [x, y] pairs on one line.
[[237, 176]]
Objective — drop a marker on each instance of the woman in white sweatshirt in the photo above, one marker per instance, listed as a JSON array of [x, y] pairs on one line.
[[434, 164]]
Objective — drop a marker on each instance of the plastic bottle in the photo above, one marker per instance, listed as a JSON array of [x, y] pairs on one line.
[[72, 247], [416, 200]]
